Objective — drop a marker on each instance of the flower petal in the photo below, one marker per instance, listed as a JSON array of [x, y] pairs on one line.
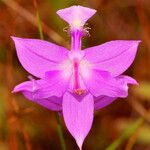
[[39, 56], [52, 103], [32, 91], [113, 56], [102, 83], [78, 115], [103, 101], [29, 90], [76, 16], [126, 80], [52, 85]]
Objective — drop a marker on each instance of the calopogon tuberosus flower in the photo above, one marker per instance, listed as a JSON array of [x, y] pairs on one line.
[[75, 82]]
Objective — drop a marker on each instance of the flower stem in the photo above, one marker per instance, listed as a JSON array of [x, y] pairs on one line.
[[60, 133], [39, 22]]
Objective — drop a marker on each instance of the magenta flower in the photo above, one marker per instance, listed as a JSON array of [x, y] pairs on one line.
[[75, 82]]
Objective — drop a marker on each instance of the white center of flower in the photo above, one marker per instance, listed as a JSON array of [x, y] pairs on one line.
[[66, 68], [85, 69], [76, 69]]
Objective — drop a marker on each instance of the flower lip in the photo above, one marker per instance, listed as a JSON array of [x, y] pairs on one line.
[[76, 16]]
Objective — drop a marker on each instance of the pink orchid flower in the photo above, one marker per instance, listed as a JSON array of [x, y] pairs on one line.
[[76, 82]]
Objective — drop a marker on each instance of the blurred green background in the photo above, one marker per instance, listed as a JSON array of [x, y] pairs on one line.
[[123, 125]]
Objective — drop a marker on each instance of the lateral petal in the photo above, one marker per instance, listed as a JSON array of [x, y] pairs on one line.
[[78, 114], [31, 91], [102, 101], [52, 103], [114, 56], [39, 56], [52, 85], [102, 83]]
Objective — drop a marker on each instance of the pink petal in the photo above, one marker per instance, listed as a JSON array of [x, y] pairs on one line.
[[102, 83], [78, 115], [46, 90], [76, 15], [126, 79], [39, 56], [30, 91], [52, 103], [52, 85], [113, 56], [33, 91], [103, 101]]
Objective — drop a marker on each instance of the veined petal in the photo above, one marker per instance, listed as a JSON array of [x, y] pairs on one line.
[[31, 92], [48, 91], [103, 101], [126, 79], [76, 16], [52, 103], [78, 114], [39, 56], [102, 83], [52, 85], [114, 56]]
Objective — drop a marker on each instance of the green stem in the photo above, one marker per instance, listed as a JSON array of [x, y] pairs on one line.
[[39, 24], [60, 133]]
